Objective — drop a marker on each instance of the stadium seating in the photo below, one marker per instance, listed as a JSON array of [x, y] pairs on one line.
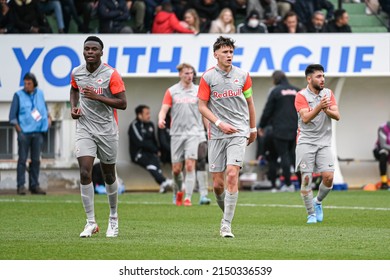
[[360, 22]]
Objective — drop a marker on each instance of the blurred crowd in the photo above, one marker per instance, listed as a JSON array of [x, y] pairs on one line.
[[179, 16]]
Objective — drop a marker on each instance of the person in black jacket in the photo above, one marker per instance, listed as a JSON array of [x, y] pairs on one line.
[[340, 23], [113, 16], [144, 150], [280, 113]]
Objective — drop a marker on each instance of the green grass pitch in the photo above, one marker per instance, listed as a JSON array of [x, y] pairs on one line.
[[267, 226]]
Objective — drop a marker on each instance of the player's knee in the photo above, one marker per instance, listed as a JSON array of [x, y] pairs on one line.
[[231, 175], [218, 182], [307, 178], [85, 176], [110, 178], [176, 170], [190, 165], [327, 179]]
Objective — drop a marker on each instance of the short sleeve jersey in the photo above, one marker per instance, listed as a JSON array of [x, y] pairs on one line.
[[225, 95], [319, 130], [185, 116], [97, 117]]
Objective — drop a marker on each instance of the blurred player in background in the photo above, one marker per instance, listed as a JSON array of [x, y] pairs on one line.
[[185, 129]]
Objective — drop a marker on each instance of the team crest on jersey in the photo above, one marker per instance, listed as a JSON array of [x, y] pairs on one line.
[[100, 81], [236, 81]]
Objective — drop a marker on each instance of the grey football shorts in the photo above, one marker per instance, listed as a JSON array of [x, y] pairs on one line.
[[226, 151], [184, 147], [104, 147], [313, 158]]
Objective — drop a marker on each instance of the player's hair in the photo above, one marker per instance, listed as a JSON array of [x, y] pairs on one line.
[[312, 68], [223, 42], [183, 65], [95, 39], [279, 77], [139, 109], [31, 77]]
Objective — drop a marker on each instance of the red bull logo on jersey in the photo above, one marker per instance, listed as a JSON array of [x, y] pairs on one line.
[[98, 91], [227, 93], [185, 100]]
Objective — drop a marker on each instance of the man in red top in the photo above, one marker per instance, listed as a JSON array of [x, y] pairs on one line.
[[166, 21]]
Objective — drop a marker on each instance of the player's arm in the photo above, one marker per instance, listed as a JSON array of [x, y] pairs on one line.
[[117, 88], [332, 111], [205, 122], [206, 112], [162, 115], [118, 101], [306, 113], [75, 111], [252, 120], [248, 93], [204, 96]]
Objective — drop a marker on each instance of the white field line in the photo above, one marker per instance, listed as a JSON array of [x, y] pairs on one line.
[[11, 200]]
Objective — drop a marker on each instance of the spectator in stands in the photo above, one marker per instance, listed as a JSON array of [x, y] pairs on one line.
[[239, 9], [224, 24], [191, 20], [268, 12], [137, 9], [252, 24], [152, 8], [113, 16], [50, 6], [382, 153], [70, 12], [279, 112], [290, 24], [305, 9], [28, 17], [284, 6], [340, 23], [208, 10], [166, 21], [6, 19], [372, 7], [179, 8], [317, 23], [88, 10], [143, 147]]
